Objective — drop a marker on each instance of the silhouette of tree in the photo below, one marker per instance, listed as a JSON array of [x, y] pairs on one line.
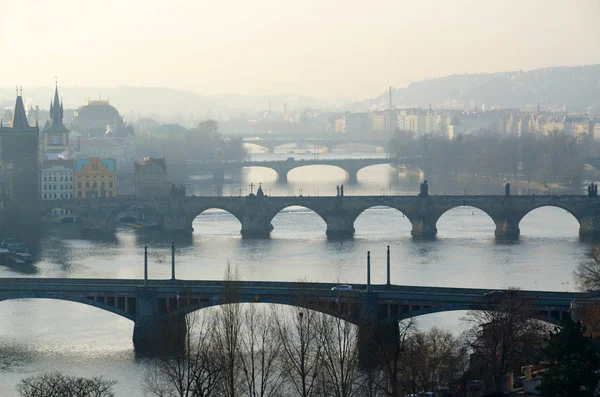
[[504, 331], [574, 368], [56, 384]]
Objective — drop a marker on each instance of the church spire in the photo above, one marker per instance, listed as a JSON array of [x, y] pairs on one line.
[[19, 121], [56, 114]]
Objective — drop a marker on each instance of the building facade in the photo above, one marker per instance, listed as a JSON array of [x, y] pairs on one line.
[[150, 178], [57, 180], [94, 178]]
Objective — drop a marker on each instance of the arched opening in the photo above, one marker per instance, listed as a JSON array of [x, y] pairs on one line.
[[379, 176], [549, 222], [216, 222], [316, 173], [298, 223], [382, 222], [52, 325], [258, 173], [466, 223], [255, 148]]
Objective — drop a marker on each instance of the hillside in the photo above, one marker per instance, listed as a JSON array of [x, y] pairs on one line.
[[577, 88]]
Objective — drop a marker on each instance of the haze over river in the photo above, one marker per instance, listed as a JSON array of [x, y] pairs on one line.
[[42, 335]]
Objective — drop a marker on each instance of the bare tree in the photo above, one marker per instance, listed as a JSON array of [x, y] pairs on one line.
[[587, 273], [433, 359], [301, 349], [504, 330], [260, 349], [229, 323], [340, 356], [56, 384], [197, 370]]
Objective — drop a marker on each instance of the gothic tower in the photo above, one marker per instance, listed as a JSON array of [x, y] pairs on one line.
[[19, 151], [56, 135]]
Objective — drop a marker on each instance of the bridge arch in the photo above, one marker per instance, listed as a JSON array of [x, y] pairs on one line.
[[554, 320], [117, 308], [190, 219], [529, 213], [472, 211], [385, 217], [282, 211], [343, 310], [284, 173]]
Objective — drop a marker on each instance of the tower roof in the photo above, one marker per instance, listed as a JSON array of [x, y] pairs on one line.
[[19, 121], [56, 115]]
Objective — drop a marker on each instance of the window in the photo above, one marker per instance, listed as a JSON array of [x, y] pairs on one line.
[[78, 185], [54, 187], [102, 186], [110, 185], [45, 196], [44, 179], [54, 179], [61, 178], [79, 193], [94, 185], [87, 185], [54, 195]]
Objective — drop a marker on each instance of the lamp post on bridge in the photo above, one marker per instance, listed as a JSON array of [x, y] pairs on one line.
[[368, 270], [388, 265], [146, 266], [173, 260]]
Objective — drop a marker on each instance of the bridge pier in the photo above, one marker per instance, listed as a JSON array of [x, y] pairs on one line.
[[151, 334], [424, 228], [340, 226], [282, 176], [589, 227], [352, 175], [256, 225], [176, 222], [377, 338], [507, 229]]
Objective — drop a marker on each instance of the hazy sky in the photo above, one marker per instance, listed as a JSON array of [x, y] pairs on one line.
[[328, 49]]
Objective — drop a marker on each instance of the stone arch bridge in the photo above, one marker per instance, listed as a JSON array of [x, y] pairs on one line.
[[339, 213], [271, 143], [157, 307], [283, 167]]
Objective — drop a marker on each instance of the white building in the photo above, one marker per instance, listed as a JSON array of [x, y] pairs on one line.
[[57, 180]]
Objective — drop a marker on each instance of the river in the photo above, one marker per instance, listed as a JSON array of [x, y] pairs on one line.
[[43, 335]]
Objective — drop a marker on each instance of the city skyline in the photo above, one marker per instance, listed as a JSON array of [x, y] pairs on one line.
[[320, 50]]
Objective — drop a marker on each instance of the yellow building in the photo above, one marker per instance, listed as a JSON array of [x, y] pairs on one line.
[[95, 177]]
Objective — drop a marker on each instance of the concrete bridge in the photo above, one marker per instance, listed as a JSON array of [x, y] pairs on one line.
[[339, 213], [158, 307], [283, 167]]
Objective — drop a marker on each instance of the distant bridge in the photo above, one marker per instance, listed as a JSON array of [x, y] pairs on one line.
[[152, 304], [272, 141], [283, 167], [339, 213]]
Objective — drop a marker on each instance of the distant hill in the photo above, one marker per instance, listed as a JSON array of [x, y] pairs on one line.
[[577, 88]]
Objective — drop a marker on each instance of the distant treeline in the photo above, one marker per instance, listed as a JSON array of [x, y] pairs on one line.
[[554, 158], [205, 143]]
